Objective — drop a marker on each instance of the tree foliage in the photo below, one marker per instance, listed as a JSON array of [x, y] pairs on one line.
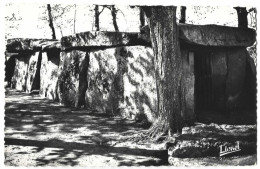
[[183, 14], [114, 10], [60, 17], [12, 23]]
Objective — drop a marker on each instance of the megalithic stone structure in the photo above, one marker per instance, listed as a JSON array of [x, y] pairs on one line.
[[114, 72]]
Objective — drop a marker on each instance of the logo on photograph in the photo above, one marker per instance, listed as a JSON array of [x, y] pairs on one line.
[[224, 150]]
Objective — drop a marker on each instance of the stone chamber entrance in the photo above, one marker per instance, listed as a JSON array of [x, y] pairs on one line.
[[213, 103]]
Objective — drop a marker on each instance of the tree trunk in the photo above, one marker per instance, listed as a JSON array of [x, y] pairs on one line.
[[96, 18], [75, 20], [142, 19], [168, 69], [113, 13], [51, 21], [242, 17], [183, 14]]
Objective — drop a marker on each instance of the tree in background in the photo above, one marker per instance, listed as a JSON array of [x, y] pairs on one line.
[[12, 22], [183, 15], [252, 24], [97, 13], [74, 21], [242, 17], [113, 10], [168, 69], [114, 13], [141, 18], [200, 13], [51, 21], [58, 14], [252, 18]]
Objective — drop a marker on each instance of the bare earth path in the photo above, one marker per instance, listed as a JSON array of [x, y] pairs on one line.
[[40, 132]]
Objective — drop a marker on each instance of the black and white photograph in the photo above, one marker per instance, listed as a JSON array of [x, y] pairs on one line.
[[113, 83]]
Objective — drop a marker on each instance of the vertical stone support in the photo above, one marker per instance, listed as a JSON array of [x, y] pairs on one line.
[[219, 75], [49, 73], [19, 79], [189, 82], [31, 71], [236, 65], [72, 82]]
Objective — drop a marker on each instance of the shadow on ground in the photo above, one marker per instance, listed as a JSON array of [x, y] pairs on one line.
[[40, 132]]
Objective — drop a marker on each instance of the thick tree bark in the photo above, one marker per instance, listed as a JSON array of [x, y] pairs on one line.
[[183, 14], [97, 17], [242, 17], [113, 13], [168, 69], [51, 21], [142, 19]]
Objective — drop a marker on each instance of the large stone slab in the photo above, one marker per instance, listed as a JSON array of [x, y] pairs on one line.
[[189, 86], [19, 76], [219, 76], [49, 73], [121, 80], [211, 35], [32, 75], [212, 140], [9, 66], [25, 44], [235, 80], [25, 71], [72, 65], [140, 93], [101, 39], [215, 35], [102, 72]]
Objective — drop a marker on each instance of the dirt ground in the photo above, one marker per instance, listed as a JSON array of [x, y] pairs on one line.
[[40, 132]]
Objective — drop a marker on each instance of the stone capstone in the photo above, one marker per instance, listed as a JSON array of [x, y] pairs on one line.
[[24, 44], [210, 35], [101, 39]]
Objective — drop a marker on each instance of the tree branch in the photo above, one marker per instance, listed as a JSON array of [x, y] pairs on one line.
[[252, 9], [101, 10]]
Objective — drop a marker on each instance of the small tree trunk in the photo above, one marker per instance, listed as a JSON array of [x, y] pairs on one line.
[[51, 21], [113, 13], [168, 69], [183, 14], [242, 17], [75, 19], [96, 18], [60, 31], [142, 19]]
